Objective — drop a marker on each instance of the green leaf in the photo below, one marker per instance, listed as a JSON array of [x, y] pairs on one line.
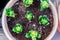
[[27, 35], [18, 28], [29, 15], [33, 34], [27, 3], [43, 20], [44, 5], [10, 13], [33, 38], [43, 0], [14, 29], [39, 36]]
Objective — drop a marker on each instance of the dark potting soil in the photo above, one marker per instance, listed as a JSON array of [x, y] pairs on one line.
[[20, 10]]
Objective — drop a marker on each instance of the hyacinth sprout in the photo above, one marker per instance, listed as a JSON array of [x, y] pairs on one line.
[[43, 20], [44, 4], [29, 15], [18, 28], [10, 13], [33, 34], [27, 3]]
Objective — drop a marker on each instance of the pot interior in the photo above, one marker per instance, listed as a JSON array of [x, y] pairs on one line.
[[54, 17]]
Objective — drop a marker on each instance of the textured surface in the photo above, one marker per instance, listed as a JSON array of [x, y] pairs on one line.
[[3, 37]]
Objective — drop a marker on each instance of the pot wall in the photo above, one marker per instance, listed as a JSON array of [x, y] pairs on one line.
[[5, 27]]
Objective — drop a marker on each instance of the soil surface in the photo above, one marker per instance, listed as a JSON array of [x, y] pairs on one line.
[[20, 10]]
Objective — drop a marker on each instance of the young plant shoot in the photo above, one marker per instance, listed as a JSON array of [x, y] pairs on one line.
[[33, 34], [10, 13], [18, 28], [29, 15], [44, 4], [27, 3], [43, 20]]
